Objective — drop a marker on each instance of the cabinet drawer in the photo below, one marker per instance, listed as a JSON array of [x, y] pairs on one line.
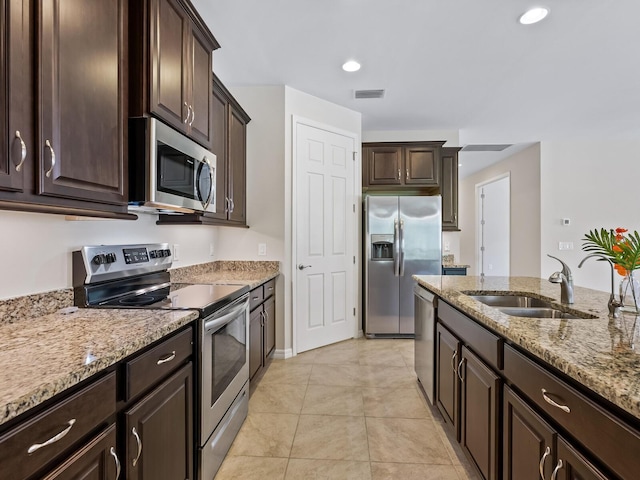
[[614, 443], [256, 297], [53, 431], [269, 288], [147, 369], [480, 340]]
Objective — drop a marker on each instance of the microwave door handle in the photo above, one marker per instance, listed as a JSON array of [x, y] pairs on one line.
[[207, 202]]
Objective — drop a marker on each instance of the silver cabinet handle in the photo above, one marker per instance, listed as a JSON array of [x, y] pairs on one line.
[[399, 174], [212, 181], [54, 439], [227, 205], [53, 158], [113, 453], [262, 319], [188, 113], [556, 470], [193, 115], [407, 177], [23, 151], [167, 358], [547, 452], [302, 267], [564, 408], [458, 372], [233, 204], [453, 361], [135, 434]]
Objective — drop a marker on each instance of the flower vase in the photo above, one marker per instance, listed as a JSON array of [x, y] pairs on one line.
[[630, 293]]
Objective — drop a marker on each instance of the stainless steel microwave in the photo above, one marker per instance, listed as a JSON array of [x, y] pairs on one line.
[[167, 170]]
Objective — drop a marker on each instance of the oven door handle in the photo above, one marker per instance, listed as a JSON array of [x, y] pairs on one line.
[[219, 322]]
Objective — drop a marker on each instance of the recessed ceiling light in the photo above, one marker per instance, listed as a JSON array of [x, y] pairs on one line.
[[533, 15], [351, 66]]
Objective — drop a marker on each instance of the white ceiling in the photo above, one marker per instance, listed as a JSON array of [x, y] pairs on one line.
[[464, 65]]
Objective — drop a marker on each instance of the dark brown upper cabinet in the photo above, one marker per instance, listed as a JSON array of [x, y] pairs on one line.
[[171, 66], [400, 166], [449, 188], [62, 87]]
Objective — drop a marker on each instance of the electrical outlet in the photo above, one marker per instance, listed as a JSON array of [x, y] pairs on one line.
[[211, 249], [447, 246], [262, 249], [176, 252], [565, 245]]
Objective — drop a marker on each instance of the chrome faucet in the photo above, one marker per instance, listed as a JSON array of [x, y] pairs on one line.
[[613, 305], [565, 279]]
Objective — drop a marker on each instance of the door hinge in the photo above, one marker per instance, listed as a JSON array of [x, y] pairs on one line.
[[354, 208], [354, 259], [354, 156], [482, 249], [354, 311], [482, 195]]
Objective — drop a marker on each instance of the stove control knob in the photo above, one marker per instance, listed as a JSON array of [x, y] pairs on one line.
[[111, 257], [100, 259]]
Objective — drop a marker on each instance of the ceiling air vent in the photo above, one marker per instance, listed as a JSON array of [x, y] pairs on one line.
[[369, 93], [485, 148]]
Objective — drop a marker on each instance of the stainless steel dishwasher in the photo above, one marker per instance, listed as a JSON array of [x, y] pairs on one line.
[[425, 318]]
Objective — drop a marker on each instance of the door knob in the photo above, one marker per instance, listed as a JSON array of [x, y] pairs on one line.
[[302, 267]]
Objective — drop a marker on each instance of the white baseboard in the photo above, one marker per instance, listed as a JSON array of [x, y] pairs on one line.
[[282, 354], [360, 334]]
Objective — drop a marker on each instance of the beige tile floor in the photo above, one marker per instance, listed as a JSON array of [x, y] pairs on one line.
[[349, 411]]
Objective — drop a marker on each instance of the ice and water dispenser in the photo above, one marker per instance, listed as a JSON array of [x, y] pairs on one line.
[[381, 247]]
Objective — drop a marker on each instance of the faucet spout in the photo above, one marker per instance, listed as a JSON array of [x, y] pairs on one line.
[[565, 279], [613, 305]]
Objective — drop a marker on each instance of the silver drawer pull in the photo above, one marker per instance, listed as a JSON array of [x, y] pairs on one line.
[[23, 151], [270, 288], [193, 115], [547, 452], [53, 158], [167, 359], [113, 453], [255, 298], [555, 470], [453, 361], [54, 439], [135, 434], [564, 408]]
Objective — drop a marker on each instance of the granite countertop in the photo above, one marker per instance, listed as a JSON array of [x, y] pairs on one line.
[[41, 357], [602, 354], [43, 352]]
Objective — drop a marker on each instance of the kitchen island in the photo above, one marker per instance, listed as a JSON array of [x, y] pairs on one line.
[[589, 370]]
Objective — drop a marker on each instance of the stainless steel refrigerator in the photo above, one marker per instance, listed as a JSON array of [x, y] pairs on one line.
[[403, 237]]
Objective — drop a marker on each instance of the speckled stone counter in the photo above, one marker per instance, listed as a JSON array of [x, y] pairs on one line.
[[41, 357], [602, 354], [239, 272]]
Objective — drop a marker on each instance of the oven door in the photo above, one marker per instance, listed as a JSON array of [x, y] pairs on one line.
[[224, 363]]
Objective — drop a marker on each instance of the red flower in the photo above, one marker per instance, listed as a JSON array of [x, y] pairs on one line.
[[616, 248], [620, 269], [621, 230]]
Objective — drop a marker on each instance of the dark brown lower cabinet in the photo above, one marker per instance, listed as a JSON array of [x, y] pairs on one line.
[[262, 328], [528, 441], [97, 460], [571, 465], [159, 431], [269, 326], [479, 404], [447, 382], [255, 342]]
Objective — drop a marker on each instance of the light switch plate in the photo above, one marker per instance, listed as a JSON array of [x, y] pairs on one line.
[[565, 245], [211, 249], [262, 249], [176, 252]]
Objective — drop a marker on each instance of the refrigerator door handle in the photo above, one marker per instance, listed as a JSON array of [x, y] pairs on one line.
[[396, 248], [401, 250]]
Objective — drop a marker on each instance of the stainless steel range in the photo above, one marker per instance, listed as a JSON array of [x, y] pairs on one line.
[[136, 276]]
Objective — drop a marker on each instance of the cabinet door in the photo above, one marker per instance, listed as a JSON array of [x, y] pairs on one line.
[[527, 443], [169, 33], [571, 465], [269, 326], [81, 83], [219, 116], [199, 60], [479, 401], [159, 432], [449, 189], [255, 341], [447, 382], [97, 460], [237, 166], [16, 133], [421, 166], [384, 166]]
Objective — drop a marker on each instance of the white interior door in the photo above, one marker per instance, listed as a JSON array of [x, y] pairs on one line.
[[494, 227], [325, 228]]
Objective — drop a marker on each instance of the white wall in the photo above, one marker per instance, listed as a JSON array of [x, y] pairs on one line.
[[524, 168], [35, 249], [593, 183]]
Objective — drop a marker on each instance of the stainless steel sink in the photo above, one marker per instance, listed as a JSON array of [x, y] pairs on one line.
[[525, 306]]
